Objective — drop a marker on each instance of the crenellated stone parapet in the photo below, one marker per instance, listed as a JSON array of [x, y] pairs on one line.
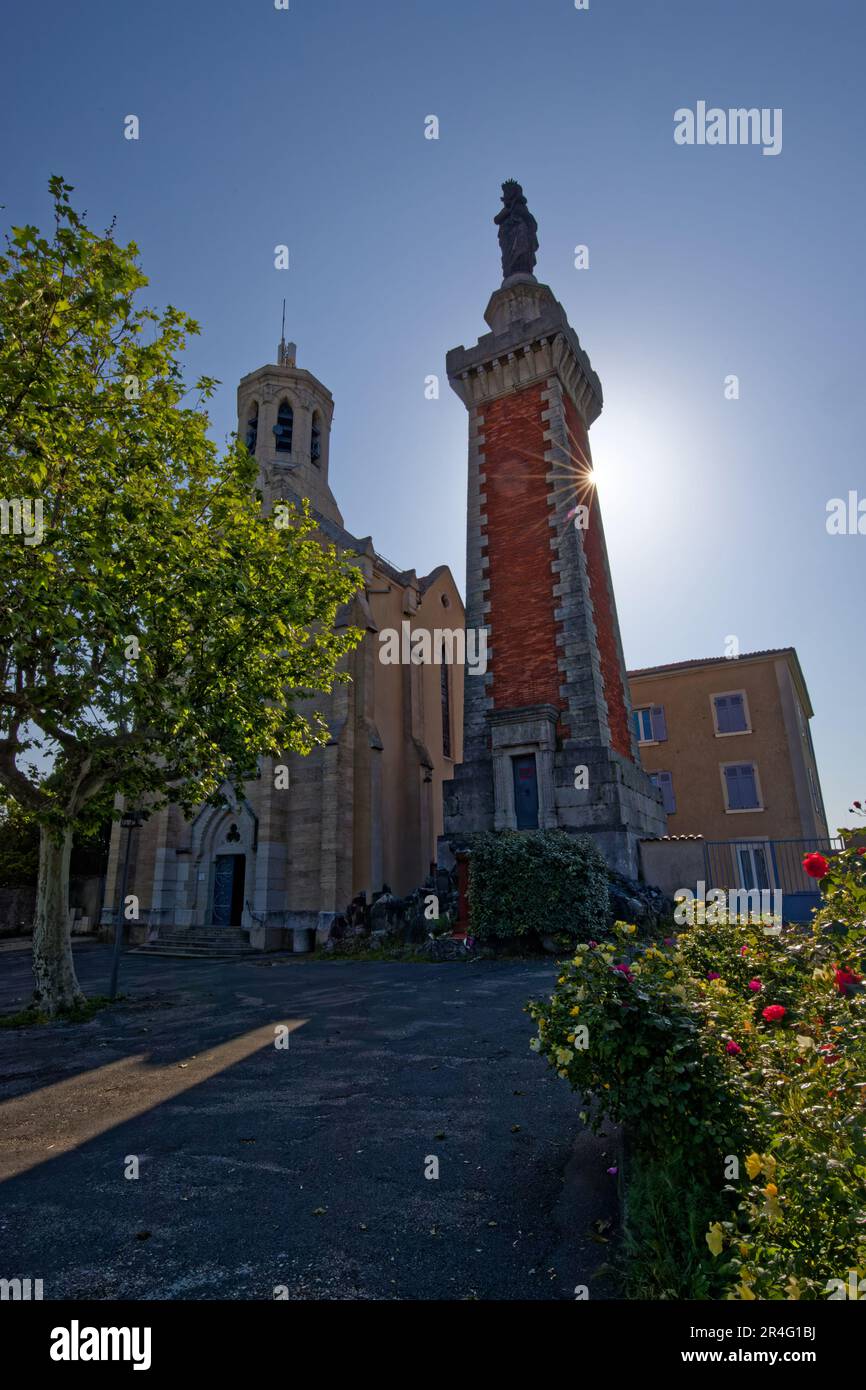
[[531, 340]]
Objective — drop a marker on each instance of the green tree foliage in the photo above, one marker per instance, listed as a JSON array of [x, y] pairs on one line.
[[154, 640], [19, 845]]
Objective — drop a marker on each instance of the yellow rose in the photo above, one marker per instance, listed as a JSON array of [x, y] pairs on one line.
[[575, 1011], [753, 1165], [715, 1239]]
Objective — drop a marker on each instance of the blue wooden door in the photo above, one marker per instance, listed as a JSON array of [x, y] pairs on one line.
[[223, 882], [525, 791]]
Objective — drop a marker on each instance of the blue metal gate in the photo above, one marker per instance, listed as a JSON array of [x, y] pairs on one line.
[[769, 864]]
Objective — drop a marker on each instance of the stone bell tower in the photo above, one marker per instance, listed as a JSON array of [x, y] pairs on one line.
[[548, 739], [284, 417]]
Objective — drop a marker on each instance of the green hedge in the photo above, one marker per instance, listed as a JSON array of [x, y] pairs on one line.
[[542, 881]]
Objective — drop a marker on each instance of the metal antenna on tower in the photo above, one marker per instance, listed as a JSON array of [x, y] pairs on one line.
[[282, 356]]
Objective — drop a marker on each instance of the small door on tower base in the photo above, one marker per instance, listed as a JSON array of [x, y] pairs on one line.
[[525, 791]]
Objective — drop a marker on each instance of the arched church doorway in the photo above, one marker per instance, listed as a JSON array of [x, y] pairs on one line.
[[228, 889]]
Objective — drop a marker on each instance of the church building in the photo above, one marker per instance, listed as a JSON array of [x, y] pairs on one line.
[[549, 736], [361, 811]]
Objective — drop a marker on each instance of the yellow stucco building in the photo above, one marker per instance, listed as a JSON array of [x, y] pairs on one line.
[[727, 742]]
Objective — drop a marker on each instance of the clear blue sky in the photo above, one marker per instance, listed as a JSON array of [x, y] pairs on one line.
[[306, 127]]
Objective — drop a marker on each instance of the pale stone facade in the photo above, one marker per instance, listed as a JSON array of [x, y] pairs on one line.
[[363, 810]]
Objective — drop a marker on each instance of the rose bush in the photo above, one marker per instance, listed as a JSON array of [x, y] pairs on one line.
[[735, 1059]]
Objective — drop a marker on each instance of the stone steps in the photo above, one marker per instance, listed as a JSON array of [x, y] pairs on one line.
[[156, 948], [198, 943]]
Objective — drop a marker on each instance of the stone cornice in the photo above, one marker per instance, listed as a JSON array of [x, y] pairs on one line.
[[525, 352]]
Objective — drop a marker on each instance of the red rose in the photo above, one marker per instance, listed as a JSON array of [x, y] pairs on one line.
[[816, 865], [844, 978], [733, 1048], [773, 1013]]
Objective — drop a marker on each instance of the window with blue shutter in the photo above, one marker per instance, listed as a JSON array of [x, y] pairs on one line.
[[731, 714], [742, 787], [649, 724], [665, 783]]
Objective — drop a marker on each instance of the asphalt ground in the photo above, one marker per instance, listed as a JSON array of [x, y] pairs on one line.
[[297, 1170]]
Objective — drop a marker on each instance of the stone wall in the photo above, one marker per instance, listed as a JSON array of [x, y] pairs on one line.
[[17, 906], [673, 862]]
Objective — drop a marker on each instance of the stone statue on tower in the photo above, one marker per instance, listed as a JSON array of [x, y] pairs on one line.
[[518, 229]]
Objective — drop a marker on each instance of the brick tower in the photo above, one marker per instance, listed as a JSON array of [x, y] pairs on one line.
[[548, 739]]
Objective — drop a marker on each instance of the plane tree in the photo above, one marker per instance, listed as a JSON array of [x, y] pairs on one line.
[[158, 628]]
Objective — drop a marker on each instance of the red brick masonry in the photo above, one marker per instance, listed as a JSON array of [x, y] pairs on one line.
[[517, 537], [602, 602]]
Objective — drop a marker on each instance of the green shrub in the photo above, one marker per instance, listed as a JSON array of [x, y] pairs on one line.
[[541, 882]]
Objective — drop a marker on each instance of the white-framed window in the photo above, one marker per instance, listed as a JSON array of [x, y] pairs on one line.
[[649, 724], [754, 864], [741, 786], [731, 713], [665, 783]]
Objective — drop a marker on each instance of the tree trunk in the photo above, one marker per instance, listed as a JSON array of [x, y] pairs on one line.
[[57, 987]]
